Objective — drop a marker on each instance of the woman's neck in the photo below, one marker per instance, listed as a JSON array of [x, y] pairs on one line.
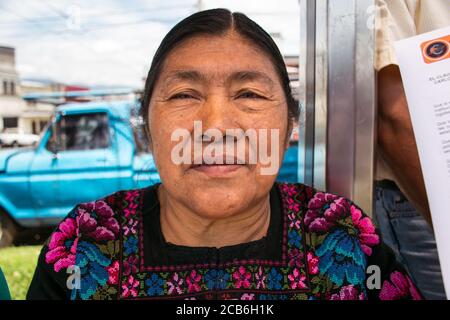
[[182, 226]]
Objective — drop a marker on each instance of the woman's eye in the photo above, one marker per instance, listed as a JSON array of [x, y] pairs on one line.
[[249, 95], [182, 96]]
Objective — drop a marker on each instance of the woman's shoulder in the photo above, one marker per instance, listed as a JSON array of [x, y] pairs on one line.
[[86, 241], [344, 246], [96, 221], [99, 219], [324, 213]]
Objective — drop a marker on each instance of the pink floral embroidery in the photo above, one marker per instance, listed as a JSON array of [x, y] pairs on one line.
[[226, 296], [295, 258], [297, 279], [323, 211], [94, 220], [175, 284], [367, 236], [130, 227], [293, 205], [130, 196], [130, 288], [248, 296], [113, 272], [398, 286], [193, 281], [294, 222], [260, 279], [130, 265], [102, 228], [242, 277], [348, 293], [61, 251], [313, 263], [289, 189]]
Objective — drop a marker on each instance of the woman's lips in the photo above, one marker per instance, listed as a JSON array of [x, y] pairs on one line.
[[216, 170]]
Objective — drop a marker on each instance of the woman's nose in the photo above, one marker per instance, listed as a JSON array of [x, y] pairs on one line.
[[218, 113]]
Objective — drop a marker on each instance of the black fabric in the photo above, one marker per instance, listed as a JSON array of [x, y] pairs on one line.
[[391, 278], [47, 284], [158, 252]]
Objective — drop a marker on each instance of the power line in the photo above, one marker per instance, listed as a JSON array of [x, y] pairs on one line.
[[64, 34], [61, 14]]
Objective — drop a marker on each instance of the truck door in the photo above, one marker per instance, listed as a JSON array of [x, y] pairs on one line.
[[85, 161], [44, 184]]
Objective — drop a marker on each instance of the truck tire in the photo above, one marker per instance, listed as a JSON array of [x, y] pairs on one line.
[[15, 144], [8, 230]]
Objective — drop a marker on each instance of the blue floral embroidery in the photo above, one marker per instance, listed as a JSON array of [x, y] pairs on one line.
[[273, 280], [294, 238], [341, 258], [155, 285], [92, 265], [131, 245], [216, 279]]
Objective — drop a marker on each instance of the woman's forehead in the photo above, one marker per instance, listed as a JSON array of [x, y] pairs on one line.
[[218, 55], [225, 76]]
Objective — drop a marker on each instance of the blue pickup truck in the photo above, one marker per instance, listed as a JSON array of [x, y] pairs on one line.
[[88, 150]]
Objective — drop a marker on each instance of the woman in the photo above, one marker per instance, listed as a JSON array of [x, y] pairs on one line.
[[218, 230]]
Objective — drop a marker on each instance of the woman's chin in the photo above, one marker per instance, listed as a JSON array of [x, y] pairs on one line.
[[219, 203]]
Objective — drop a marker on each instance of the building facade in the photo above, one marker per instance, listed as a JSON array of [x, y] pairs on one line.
[[11, 104], [16, 114]]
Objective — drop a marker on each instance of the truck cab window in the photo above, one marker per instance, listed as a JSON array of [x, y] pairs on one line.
[[80, 132]]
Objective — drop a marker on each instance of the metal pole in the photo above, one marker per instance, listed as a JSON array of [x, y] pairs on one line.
[[337, 92], [306, 94], [366, 106], [200, 5]]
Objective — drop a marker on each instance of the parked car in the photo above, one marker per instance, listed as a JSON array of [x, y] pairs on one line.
[[88, 150], [14, 139]]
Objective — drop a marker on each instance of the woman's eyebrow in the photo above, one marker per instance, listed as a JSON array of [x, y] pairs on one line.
[[250, 75], [184, 75], [236, 76]]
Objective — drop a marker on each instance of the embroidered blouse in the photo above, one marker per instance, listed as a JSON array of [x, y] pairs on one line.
[[318, 246]]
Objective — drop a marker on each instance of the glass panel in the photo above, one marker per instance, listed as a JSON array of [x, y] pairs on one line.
[[81, 132]]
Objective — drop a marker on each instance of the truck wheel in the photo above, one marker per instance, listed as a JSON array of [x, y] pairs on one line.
[[8, 230], [15, 144]]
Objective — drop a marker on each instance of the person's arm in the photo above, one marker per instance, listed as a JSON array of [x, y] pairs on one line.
[[395, 282], [4, 291], [46, 283], [397, 144]]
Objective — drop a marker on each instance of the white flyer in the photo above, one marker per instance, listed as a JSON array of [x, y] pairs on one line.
[[425, 68]]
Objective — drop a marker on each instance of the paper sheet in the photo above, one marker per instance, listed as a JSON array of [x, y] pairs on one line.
[[425, 68]]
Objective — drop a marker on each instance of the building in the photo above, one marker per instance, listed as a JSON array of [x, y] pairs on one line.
[[37, 113], [16, 114], [11, 104]]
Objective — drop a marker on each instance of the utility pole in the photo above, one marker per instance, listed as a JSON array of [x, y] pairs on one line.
[[199, 5]]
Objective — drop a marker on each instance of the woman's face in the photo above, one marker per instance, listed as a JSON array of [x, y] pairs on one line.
[[221, 82]]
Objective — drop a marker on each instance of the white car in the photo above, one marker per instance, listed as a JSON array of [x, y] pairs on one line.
[[18, 139]]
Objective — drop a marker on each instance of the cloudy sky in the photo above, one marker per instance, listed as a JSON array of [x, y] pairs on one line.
[[111, 42]]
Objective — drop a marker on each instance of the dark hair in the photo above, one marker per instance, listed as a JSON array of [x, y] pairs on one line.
[[218, 22]]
